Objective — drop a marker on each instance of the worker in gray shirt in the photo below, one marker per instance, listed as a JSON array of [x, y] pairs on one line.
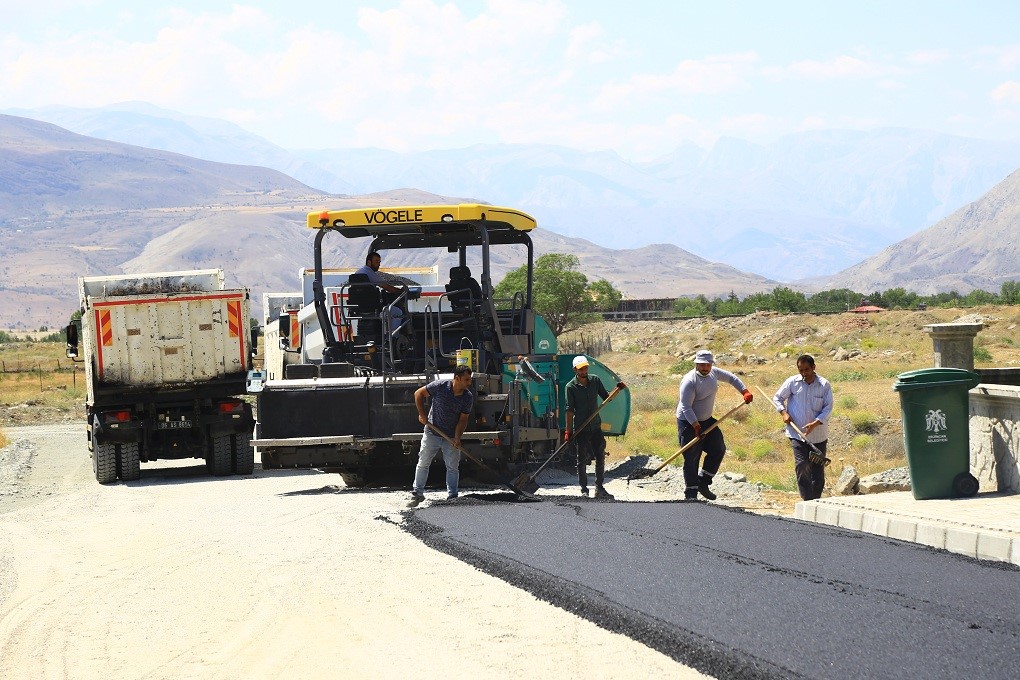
[[805, 400], [694, 414]]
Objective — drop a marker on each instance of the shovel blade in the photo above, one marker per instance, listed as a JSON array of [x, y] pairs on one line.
[[525, 484], [643, 473]]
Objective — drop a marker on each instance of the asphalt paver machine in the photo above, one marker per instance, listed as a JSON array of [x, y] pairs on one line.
[[344, 400]]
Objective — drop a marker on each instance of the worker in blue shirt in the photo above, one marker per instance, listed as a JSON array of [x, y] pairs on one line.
[[805, 400]]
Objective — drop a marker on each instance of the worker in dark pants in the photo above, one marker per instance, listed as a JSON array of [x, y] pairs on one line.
[[583, 393], [805, 400], [694, 414]]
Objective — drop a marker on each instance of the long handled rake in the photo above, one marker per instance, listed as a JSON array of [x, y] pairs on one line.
[[815, 456], [478, 461], [644, 473]]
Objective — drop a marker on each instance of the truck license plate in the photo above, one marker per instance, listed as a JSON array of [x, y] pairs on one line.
[[173, 424]]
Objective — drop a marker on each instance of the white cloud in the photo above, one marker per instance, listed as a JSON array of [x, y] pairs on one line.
[[1007, 94], [928, 57], [1005, 58], [713, 75], [420, 74], [841, 68]]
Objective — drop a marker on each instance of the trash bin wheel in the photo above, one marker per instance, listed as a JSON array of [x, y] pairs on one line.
[[965, 485]]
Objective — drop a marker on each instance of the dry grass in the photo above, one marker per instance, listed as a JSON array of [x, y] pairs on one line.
[[38, 375], [865, 430]]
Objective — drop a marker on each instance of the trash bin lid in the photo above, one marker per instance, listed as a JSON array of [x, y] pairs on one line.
[[936, 377]]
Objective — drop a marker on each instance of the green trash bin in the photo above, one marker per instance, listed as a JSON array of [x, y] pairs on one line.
[[936, 431]]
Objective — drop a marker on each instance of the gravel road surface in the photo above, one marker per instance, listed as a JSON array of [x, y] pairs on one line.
[[278, 575], [739, 595]]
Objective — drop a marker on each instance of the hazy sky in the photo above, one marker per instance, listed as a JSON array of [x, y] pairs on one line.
[[638, 77]]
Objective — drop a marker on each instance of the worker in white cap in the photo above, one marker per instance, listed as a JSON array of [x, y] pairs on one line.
[[694, 414], [583, 393]]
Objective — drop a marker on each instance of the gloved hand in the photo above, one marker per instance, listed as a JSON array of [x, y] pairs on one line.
[[566, 435], [697, 428], [621, 385], [748, 397]]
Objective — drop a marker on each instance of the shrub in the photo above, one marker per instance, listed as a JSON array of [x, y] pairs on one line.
[[761, 449], [848, 375], [864, 422], [848, 402], [862, 441], [982, 354], [682, 366]]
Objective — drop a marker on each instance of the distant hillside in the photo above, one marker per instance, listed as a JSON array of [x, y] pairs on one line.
[[71, 206], [808, 204], [975, 247]]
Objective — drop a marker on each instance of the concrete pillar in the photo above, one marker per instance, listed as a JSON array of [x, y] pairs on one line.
[[954, 344]]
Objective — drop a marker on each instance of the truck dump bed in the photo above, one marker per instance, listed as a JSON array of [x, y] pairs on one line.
[[166, 330]]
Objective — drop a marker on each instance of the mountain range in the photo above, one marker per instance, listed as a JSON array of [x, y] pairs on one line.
[[72, 205], [805, 206]]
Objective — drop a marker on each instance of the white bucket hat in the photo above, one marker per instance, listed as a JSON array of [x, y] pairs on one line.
[[703, 356]]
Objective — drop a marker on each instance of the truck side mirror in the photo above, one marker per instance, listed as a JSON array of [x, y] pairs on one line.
[[254, 344], [284, 322], [71, 332]]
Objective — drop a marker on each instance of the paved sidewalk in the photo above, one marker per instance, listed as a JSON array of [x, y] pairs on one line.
[[986, 526]]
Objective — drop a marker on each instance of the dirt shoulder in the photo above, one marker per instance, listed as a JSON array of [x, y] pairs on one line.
[[278, 575]]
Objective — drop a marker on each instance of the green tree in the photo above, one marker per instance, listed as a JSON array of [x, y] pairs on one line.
[[692, 307], [899, 298], [788, 300], [562, 294], [836, 300], [604, 296], [978, 297], [1010, 293]]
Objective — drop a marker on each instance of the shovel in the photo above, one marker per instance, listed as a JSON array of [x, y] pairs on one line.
[[644, 473], [478, 461], [816, 456], [527, 482]]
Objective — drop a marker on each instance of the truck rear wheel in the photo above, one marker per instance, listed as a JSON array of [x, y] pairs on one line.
[[104, 462], [218, 457], [128, 465], [243, 454]]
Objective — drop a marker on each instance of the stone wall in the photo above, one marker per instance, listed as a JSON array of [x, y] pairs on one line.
[[995, 436]]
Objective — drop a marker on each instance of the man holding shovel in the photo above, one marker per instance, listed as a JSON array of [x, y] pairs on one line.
[[693, 414], [805, 402], [583, 392], [452, 401]]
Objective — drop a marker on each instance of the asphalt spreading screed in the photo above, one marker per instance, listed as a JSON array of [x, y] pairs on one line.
[[738, 595]]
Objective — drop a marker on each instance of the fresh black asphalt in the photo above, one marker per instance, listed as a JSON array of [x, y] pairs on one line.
[[739, 595]]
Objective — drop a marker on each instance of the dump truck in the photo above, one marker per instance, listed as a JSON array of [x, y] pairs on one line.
[[340, 396], [166, 358]]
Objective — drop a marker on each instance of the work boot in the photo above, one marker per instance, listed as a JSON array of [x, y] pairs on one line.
[[705, 490], [690, 494], [584, 491], [416, 498], [602, 493]]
